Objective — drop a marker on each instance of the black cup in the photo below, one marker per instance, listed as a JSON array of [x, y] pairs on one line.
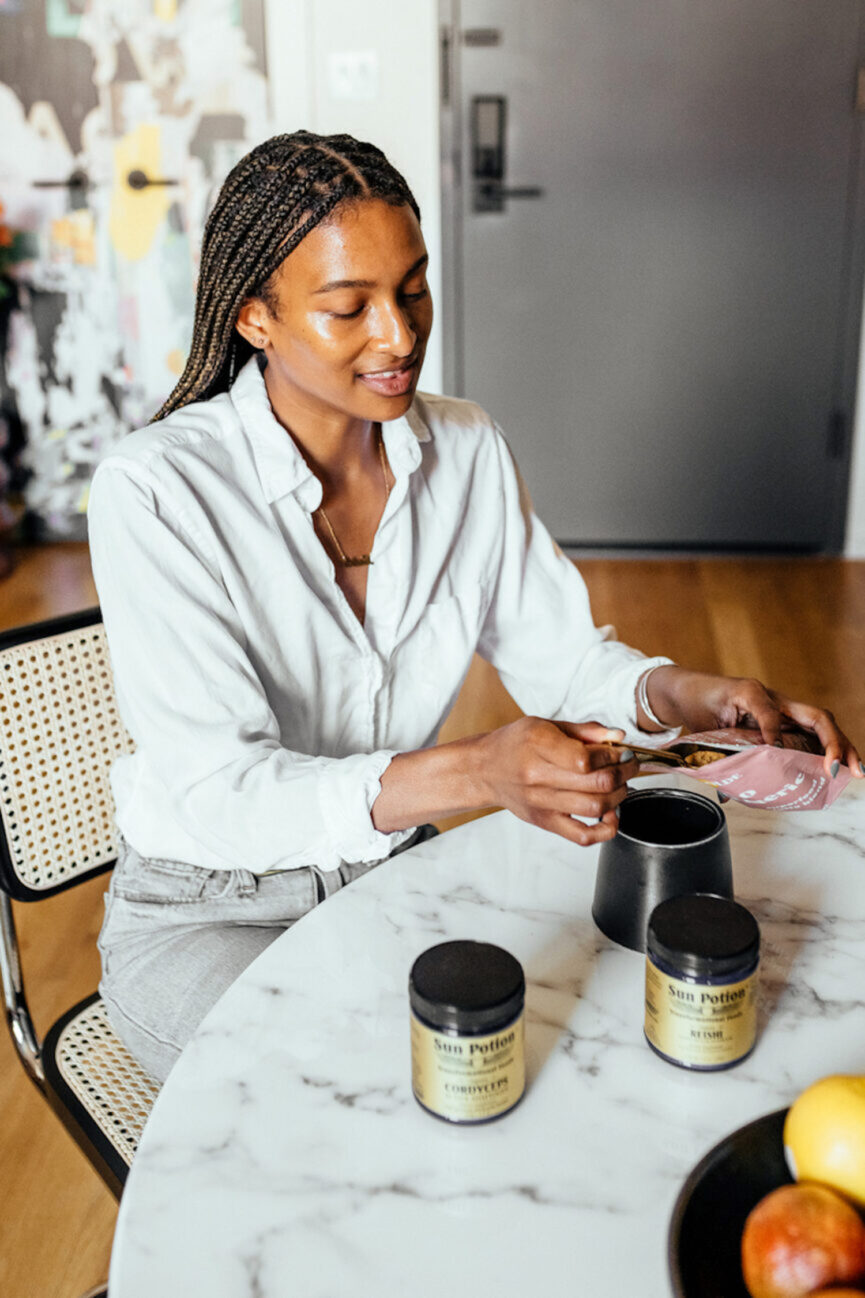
[[670, 841]]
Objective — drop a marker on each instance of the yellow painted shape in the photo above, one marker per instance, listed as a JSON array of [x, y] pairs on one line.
[[83, 237], [61, 232], [83, 500], [136, 214], [176, 361], [165, 10]]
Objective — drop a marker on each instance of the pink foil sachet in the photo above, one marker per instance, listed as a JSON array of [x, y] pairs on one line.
[[791, 778]]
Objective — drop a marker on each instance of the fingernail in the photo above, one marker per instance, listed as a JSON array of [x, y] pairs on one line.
[[723, 797], [625, 756], [618, 811], [835, 768]]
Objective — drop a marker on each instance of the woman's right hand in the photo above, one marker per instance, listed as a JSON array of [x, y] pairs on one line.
[[547, 772]]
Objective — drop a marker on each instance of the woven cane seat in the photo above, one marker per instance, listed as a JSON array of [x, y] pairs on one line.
[[60, 731], [93, 1072]]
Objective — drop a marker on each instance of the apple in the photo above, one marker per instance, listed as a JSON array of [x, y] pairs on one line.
[[799, 1239], [824, 1135]]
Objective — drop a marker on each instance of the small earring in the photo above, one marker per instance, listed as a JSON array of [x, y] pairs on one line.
[[262, 341]]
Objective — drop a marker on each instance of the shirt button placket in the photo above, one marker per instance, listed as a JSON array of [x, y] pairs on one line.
[[375, 681]]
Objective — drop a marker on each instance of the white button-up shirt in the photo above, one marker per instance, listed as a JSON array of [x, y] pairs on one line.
[[263, 712]]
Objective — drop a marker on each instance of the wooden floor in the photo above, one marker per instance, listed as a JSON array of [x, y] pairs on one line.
[[797, 624]]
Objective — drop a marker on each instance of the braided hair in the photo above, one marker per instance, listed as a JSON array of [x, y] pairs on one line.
[[270, 200]]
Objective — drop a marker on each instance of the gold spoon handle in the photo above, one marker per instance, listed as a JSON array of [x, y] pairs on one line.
[[649, 754]]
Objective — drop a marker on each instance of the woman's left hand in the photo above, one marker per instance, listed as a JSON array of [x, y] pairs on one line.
[[700, 701]]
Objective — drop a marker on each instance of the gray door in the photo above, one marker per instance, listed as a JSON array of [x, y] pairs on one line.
[[665, 331]]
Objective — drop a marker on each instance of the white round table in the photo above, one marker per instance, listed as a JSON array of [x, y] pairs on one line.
[[287, 1158]]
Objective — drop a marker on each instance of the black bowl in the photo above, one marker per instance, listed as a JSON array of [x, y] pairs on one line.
[[704, 1246]]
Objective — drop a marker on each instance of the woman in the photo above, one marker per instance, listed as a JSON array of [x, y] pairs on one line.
[[296, 562]]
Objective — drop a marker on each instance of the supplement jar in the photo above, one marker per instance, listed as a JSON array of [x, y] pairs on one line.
[[702, 953], [467, 1053]]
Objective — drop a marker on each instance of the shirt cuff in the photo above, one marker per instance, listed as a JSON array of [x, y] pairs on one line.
[[626, 688], [346, 791]]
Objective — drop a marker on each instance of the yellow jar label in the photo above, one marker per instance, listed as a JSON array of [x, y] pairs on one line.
[[467, 1079], [699, 1024]]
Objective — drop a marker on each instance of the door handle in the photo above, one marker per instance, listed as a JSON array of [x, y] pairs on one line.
[[496, 192], [76, 180], [140, 180], [489, 160]]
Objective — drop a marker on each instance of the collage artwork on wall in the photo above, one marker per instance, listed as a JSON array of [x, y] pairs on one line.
[[94, 324]]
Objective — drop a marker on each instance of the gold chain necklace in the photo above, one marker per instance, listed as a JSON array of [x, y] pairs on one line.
[[360, 560]]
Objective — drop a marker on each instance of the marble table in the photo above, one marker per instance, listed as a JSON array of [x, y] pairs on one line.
[[287, 1158]]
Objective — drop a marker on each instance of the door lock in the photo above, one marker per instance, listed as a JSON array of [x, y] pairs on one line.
[[488, 133]]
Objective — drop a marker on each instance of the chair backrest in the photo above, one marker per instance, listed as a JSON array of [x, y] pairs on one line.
[[60, 731]]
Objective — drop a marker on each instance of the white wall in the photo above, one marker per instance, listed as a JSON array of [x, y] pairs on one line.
[[335, 66]]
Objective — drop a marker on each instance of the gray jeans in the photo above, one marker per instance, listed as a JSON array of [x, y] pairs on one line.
[[175, 937]]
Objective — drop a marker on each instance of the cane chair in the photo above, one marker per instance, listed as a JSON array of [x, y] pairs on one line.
[[59, 733]]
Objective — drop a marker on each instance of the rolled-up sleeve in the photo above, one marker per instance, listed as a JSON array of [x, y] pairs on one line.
[[539, 632], [194, 706]]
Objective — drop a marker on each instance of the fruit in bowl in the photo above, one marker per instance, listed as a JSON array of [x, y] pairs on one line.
[[824, 1135], [800, 1239]]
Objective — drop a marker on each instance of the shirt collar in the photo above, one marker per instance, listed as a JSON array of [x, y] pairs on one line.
[[280, 466]]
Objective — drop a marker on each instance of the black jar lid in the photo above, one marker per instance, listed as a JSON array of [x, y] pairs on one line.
[[470, 987], [703, 935]]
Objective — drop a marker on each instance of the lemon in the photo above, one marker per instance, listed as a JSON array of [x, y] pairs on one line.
[[824, 1135]]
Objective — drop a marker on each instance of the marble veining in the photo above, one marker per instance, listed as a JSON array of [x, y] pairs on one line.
[[286, 1157]]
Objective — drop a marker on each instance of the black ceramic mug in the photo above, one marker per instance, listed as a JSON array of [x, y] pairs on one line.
[[670, 841]]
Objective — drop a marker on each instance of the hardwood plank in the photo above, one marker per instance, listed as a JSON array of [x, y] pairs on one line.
[[655, 605], [804, 628], [46, 581], [57, 1217]]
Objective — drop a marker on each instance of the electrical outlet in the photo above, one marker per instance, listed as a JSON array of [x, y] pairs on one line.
[[353, 75]]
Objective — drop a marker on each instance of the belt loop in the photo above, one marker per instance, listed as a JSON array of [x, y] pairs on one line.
[[320, 885], [247, 883]]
